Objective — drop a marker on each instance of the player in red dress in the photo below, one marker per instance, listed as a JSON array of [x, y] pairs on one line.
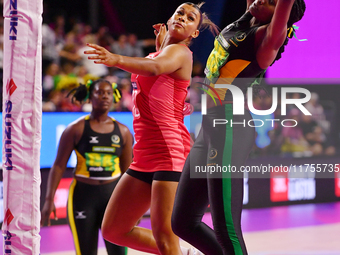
[[160, 84]]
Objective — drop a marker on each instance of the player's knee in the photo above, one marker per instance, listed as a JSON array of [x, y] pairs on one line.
[[180, 226], [110, 234], [184, 225], [105, 232]]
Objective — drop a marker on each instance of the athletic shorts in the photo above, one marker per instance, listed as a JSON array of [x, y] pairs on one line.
[[148, 177]]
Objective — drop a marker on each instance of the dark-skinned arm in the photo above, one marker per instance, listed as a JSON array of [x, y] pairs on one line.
[[275, 33], [66, 145]]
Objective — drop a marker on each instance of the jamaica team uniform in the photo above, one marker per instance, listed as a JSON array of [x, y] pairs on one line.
[[97, 158], [232, 61]]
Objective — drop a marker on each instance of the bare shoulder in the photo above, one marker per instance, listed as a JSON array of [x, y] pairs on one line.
[[182, 55], [76, 127], [78, 122], [177, 49], [121, 126]]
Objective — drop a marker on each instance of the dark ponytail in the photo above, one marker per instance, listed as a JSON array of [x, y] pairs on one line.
[[205, 22], [296, 14], [84, 91]]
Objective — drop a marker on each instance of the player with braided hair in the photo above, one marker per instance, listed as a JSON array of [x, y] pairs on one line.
[[296, 14], [242, 52], [104, 151]]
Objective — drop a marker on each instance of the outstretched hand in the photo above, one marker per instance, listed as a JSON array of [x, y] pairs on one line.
[[160, 32], [102, 55]]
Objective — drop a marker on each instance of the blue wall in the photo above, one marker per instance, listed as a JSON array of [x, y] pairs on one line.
[[53, 125]]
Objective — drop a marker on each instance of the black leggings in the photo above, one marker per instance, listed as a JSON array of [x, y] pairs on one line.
[[85, 210], [222, 145]]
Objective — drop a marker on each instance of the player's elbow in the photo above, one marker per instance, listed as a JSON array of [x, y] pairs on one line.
[[155, 69]]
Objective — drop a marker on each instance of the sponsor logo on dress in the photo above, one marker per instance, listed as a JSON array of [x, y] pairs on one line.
[[96, 168], [94, 139], [241, 37], [115, 139], [212, 153], [80, 215]]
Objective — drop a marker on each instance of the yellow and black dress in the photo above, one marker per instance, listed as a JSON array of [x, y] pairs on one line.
[[232, 61], [97, 158]]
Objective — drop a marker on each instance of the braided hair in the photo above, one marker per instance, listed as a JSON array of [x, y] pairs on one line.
[[296, 14], [84, 91]]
